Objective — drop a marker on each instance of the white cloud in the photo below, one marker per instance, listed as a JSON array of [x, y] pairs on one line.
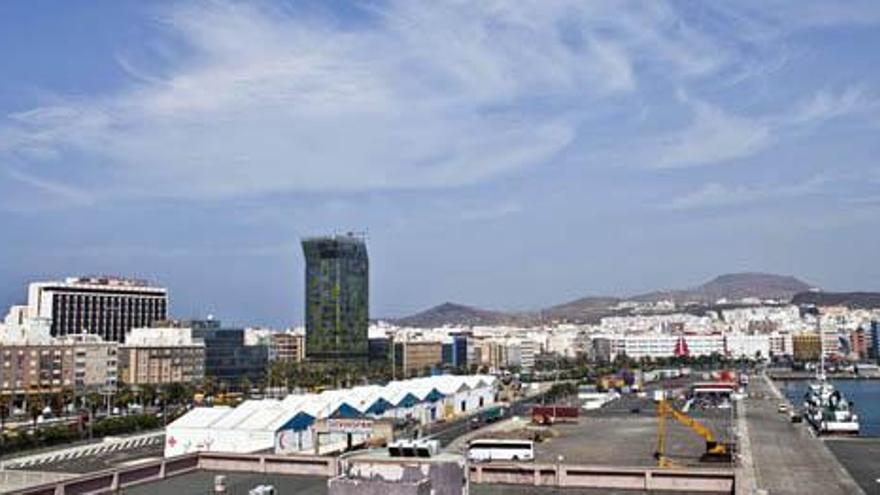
[[258, 99], [42, 194], [255, 99], [492, 211], [713, 136], [718, 195], [267, 102], [826, 105]]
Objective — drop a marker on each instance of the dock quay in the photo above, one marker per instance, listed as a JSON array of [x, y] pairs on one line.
[[787, 457]]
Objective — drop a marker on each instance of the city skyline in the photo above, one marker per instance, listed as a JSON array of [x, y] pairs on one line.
[[502, 156]]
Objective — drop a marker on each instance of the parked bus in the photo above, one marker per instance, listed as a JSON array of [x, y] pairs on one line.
[[493, 449]]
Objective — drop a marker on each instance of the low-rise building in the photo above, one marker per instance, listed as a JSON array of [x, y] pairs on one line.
[[781, 344], [417, 357], [79, 363], [740, 345], [874, 340], [227, 358], [858, 341], [289, 346], [157, 356], [806, 346]]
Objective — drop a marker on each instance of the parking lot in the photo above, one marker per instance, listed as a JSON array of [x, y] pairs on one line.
[[618, 435]]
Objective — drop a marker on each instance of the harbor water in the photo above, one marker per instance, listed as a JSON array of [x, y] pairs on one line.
[[865, 394]]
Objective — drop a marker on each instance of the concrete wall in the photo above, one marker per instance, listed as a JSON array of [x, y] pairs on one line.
[[275, 464], [356, 486], [446, 477], [573, 476], [111, 481]]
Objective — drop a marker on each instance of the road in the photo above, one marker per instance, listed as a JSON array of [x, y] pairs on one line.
[[447, 432], [788, 459]]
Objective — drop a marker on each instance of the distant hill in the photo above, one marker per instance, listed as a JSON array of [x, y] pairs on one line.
[[734, 286], [861, 300], [590, 309], [585, 309], [456, 314]]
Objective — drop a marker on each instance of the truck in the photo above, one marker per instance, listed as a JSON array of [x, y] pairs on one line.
[[549, 414], [490, 415]]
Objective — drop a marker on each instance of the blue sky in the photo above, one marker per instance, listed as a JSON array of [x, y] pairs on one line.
[[502, 154]]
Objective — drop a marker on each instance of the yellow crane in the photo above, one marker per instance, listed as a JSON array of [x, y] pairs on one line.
[[715, 451]]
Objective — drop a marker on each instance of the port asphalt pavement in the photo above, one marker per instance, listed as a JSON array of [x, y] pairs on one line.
[[788, 458]]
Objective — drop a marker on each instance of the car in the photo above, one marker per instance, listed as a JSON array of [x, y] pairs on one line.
[[796, 417], [782, 408]]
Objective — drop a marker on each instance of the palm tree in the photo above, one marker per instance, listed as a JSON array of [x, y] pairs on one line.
[[93, 402], [35, 407], [174, 392], [68, 396], [148, 393], [245, 384], [5, 406], [124, 397], [56, 403], [208, 385]]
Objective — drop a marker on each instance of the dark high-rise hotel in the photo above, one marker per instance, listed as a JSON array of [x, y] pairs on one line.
[[337, 297]]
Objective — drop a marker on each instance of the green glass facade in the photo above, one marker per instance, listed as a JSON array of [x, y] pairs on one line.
[[337, 298]]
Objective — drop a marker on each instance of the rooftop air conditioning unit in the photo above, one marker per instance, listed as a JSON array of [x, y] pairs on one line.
[[414, 448], [427, 448]]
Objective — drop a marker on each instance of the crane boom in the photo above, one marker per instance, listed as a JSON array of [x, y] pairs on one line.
[[693, 424], [715, 451]]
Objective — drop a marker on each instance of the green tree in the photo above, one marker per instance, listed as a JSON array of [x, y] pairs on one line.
[[148, 394], [246, 385], [5, 406], [56, 403], [208, 385], [35, 407], [175, 393], [124, 396]]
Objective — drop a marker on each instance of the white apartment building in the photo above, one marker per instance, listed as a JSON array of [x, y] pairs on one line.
[[780, 344], [738, 345], [19, 329], [782, 317], [669, 323], [516, 352], [657, 345], [563, 343]]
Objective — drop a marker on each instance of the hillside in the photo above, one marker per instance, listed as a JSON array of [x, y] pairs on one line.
[[734, 286], [591, 309], [585, 309], [863, 300], [456, 314]]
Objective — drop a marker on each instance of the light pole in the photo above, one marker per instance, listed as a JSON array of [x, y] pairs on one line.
[[559, 460]]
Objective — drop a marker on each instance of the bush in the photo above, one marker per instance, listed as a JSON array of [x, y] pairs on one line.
[[125, 424], [61, 434]]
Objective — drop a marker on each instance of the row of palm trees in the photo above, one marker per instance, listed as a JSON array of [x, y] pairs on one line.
[[283, 375]]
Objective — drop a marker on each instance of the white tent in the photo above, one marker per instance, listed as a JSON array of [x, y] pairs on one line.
[[287, 425]]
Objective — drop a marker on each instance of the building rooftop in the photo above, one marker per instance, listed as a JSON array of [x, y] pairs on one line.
[[100, 283], [346, 237]]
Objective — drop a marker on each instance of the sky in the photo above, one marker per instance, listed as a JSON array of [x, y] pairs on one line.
[[502, 154]]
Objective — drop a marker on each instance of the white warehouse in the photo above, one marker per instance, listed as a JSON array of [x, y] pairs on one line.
[[288, 425]]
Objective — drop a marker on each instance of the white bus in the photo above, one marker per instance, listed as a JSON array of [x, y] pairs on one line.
[[491, 449]]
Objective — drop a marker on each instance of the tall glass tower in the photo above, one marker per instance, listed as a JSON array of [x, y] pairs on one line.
[[337, 297]]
